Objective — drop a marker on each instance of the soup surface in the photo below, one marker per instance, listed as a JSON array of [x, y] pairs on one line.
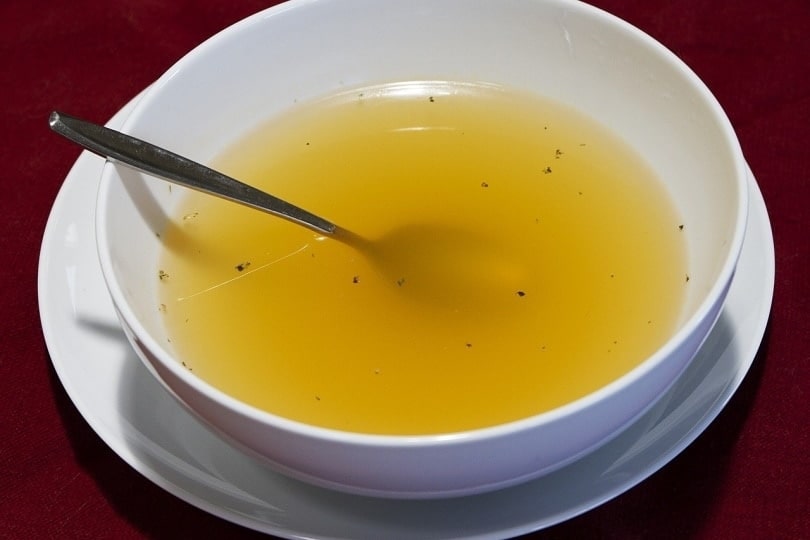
[[518, 256]]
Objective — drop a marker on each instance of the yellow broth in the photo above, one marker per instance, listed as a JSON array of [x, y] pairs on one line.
[[521, 256]]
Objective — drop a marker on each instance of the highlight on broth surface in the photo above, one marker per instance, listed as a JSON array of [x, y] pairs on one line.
[[525, 257]]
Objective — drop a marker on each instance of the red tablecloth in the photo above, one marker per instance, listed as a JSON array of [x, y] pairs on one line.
[[747, 476]]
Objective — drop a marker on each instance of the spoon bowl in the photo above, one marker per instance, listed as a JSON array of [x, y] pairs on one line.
[[443, 265]]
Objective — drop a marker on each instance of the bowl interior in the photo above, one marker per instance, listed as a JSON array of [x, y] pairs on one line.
[[563, 50]]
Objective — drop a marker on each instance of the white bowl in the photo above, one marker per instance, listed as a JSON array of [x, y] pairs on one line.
[[564, 50]]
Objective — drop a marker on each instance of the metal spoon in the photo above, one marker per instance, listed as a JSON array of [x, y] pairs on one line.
[[400, 253], [159, 162]]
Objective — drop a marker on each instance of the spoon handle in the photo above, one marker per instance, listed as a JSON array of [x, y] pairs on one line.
[[159, 162]]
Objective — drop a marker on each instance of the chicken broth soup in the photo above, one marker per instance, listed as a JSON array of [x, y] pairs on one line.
[[519, 256]]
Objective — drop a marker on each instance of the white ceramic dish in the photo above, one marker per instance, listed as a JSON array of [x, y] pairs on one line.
[[593, 61], [175, 451]]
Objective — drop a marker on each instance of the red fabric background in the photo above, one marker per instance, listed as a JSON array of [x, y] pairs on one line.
[[747, 476]]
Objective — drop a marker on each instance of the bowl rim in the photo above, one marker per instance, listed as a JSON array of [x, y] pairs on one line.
[[687, 328]]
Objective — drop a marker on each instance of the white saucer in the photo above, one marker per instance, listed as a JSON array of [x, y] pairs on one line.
[[140, 421]]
